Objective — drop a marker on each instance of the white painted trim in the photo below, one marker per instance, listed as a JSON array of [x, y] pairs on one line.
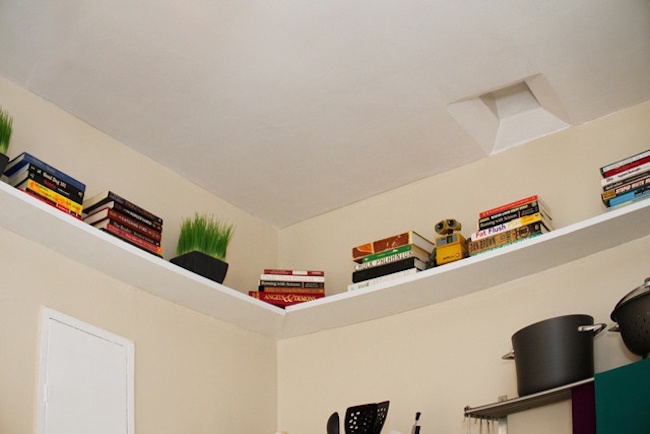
[[48, 315]]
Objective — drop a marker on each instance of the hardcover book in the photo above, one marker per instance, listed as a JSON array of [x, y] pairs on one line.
[[109, 196], [25, 158], [625, 164], [123, 234], [403, 239], [515, 204], [126, 211], [504, 238], [283, 299], [51, 197], [50, 181], [294, 272], [404, 264], [506, 216], [110, 213]]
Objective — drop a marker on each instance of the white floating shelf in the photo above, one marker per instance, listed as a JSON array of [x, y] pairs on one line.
[[45, 225]]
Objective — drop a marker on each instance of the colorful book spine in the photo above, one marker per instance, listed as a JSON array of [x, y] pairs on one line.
[[294, 272], [624, 164], [611, 194], [128, 212], [635, 194], [131, 223], [508, 206], [504, 238], [384, 260], [292, 278], [506, 216], [289, 289], [50, 181], [404, 264], [127, 236], [291, 284], [392, 242], [53, 197], [622, 176], [512, 224], [108, 196], [284, 299], [50, 203], [25, 158]]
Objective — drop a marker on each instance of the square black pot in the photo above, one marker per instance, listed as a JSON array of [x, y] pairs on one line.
[[3, 163], [203, 265]]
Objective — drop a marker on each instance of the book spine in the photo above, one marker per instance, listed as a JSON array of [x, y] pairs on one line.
[[50, 203], [625, 164], [504, 238], [358, 276], [512, 224], [625, 175], [611, 194], [55, 184], [622, 182], [292, 284], [54, 197], [384, 278], [138, 242], [393, 242], [291, 278], [141, 228], [284, 299], [383, 261], [291, 289], [507, 206], [125, 228], [385, 253], [630, 195], [134, 214], [139, 210], [294, 272], [30, 159], [506, 216]]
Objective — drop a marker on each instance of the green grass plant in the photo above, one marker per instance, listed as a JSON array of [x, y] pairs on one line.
[[206, 234], [6, 124]]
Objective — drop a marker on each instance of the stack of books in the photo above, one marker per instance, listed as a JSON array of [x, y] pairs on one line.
[[509, 223], [284, 288], [626, 181], [112, 213], [46, 183], [389, 258]]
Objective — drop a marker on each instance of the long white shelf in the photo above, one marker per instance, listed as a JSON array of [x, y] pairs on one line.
[[45, 225]]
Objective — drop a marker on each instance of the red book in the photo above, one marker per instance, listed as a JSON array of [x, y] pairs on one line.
[[294, 272], [507, 206], [283, 299], [111, 227]]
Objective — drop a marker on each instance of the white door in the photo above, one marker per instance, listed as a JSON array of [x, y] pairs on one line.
[[86, 379]]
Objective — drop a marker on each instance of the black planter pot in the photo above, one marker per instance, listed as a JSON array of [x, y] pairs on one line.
[[3, 163], [554, 352], [203, 265]]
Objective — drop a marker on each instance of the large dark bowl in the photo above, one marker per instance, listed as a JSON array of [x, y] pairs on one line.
[[632, 314]]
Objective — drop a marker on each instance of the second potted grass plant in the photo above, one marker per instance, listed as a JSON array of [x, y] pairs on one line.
[[202, 246], [6, 124]]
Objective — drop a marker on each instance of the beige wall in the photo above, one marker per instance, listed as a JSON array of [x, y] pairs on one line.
[[441, 358], [196, 374], [103, 163], [193, 373]]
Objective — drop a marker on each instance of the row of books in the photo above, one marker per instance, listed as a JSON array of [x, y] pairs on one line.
[[506, 224], [115, 215], [106, 211], [286, 287], [46, 183], [626, 181], [389, 258]]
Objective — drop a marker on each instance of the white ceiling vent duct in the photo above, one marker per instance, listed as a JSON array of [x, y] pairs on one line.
[[511, 115]]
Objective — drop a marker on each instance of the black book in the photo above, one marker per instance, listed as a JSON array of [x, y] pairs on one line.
[[48, 180], [392, 267]]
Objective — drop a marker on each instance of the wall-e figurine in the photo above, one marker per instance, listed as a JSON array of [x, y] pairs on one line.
[[451, 246]]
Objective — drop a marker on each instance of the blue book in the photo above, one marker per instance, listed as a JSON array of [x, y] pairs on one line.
[[24, 159], [630, 196]]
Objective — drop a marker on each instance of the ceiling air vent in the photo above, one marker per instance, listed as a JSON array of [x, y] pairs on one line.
[[511, 115]]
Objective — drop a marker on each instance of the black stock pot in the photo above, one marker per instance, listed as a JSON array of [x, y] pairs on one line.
[[554, 352], [632, 315]]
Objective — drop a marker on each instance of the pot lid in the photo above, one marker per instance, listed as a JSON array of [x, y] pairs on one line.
[[636, 292]]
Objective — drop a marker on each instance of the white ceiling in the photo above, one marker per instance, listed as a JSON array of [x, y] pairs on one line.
[[288, 109]]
